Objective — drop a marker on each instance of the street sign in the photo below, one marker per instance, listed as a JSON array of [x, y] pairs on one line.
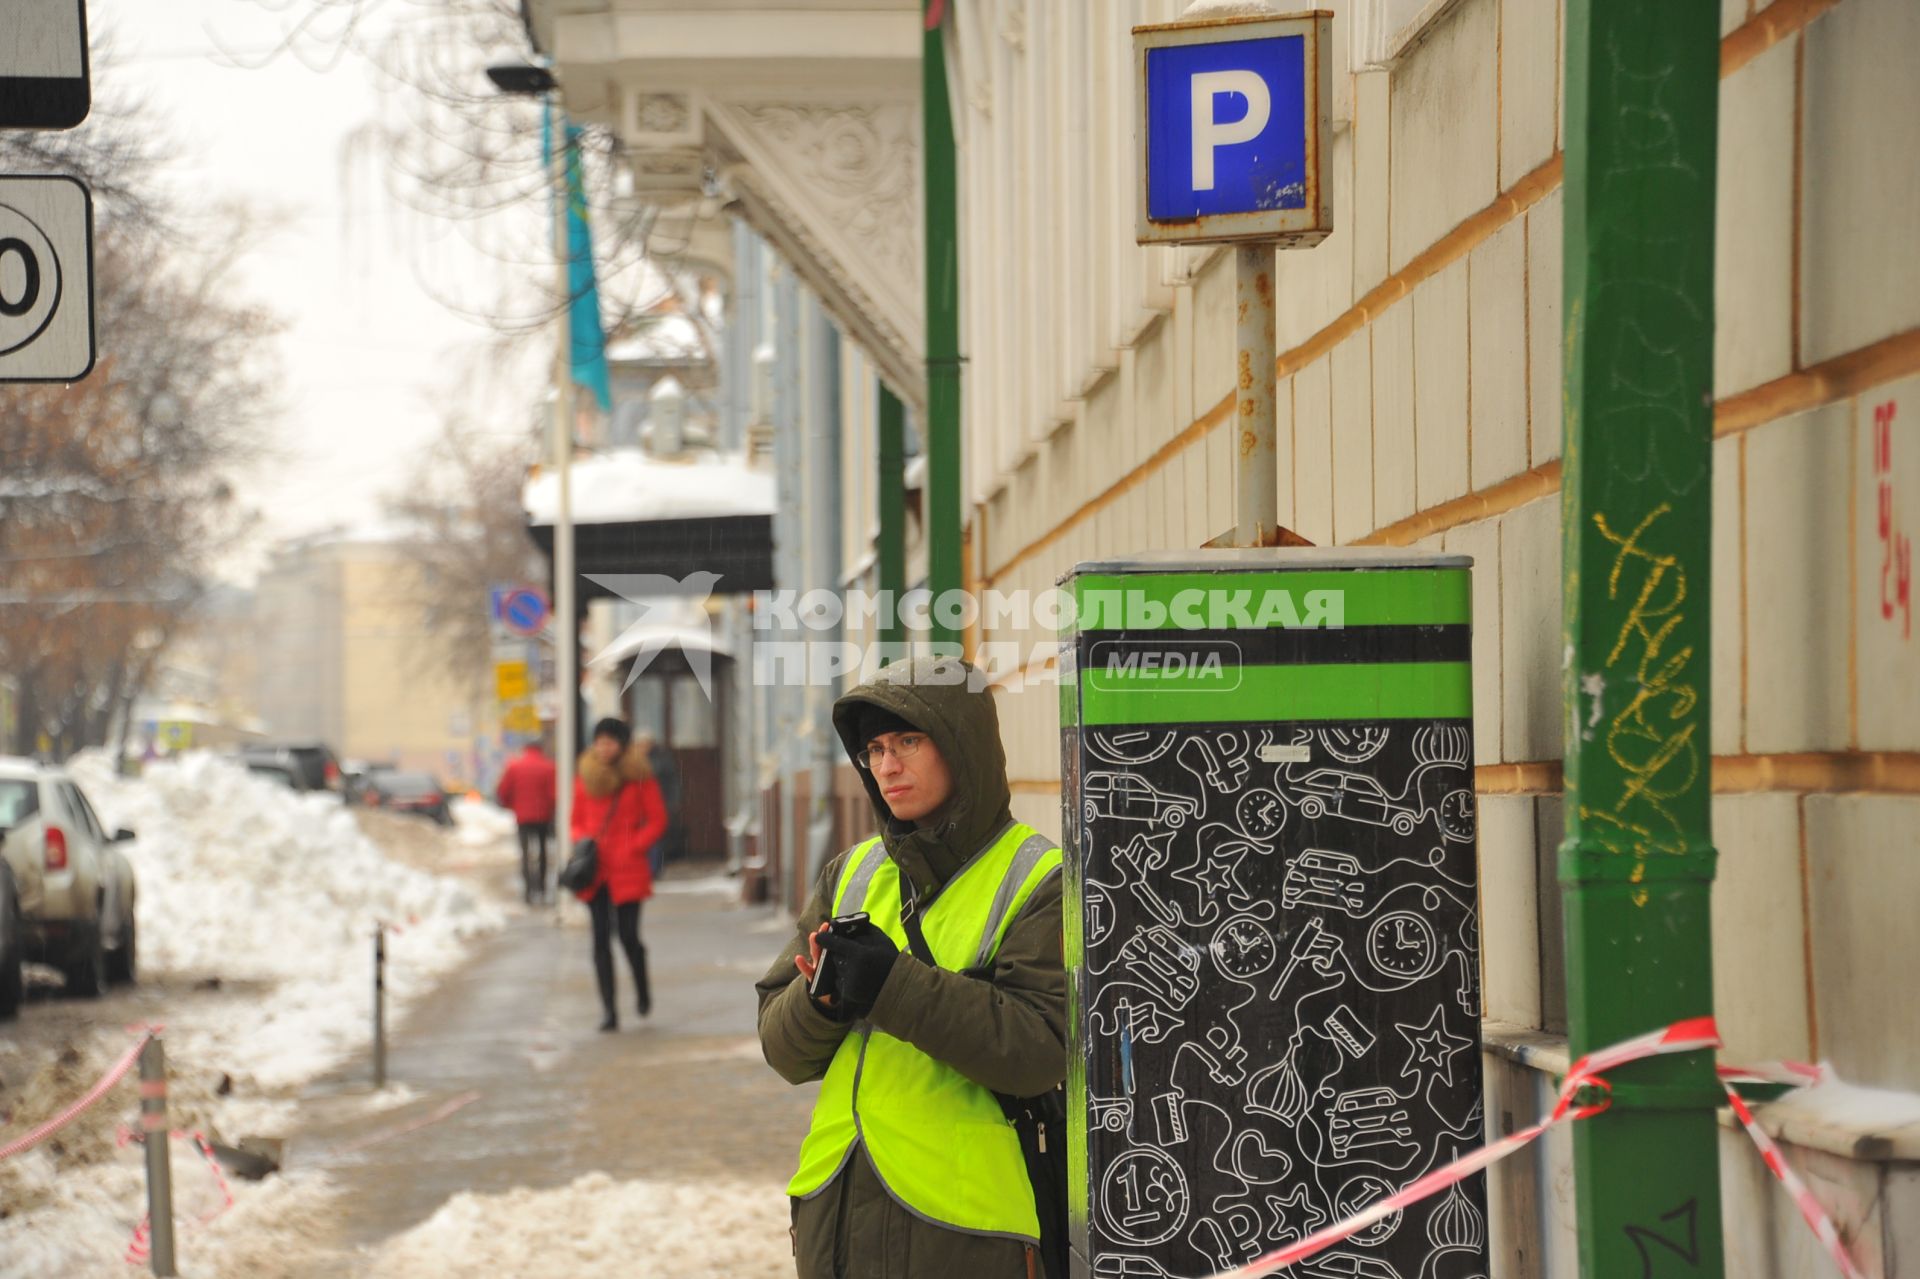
[[1234, 130], [46, 279], [44, 76], [521, 717], [511, 682], [524, 610]]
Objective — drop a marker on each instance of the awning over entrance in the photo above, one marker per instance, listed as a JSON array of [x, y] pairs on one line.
[[634, 513]]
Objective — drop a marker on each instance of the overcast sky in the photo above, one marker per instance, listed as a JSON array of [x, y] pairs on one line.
[[371, 355]]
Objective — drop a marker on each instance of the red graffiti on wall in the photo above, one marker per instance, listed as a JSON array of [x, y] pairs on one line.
[[1896, 549]]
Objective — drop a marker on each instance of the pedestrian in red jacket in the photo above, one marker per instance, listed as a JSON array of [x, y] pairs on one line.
[[527, 787], [616, 802]]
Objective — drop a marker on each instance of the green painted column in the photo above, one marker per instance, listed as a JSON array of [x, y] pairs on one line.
[[943, 323], [1636, 868], [891, 554]]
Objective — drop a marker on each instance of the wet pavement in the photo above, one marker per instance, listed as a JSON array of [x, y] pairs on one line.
[[513, 1085]]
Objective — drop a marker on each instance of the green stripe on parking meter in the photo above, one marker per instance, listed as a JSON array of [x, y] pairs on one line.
[[1266, 694], [1383, 597]]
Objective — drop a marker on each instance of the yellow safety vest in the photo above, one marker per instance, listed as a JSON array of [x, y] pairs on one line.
[[939, 1141]]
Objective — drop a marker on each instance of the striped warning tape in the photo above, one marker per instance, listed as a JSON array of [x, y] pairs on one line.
[[118, 1071], [1692, 1035]]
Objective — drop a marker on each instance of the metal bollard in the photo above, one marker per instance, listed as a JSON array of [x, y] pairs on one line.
[[379, 1005], [153, 1127]]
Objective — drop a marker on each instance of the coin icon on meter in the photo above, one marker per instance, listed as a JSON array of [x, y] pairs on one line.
[[30, 280]]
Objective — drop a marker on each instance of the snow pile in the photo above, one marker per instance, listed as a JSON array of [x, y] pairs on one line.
[[478, 824], [256, 911], [626, 484], [249, 882], [643, 1229]]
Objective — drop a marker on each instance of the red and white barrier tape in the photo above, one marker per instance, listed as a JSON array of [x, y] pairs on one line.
[[27, 1141], [1692, 1035], [139, 1249]]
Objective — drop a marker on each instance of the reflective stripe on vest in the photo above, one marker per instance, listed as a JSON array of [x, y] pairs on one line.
[[940, 1142]]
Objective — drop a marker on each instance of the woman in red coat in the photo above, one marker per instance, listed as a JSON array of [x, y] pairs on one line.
[[617, 803]]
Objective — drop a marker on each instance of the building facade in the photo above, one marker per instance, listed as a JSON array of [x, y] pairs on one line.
[[1420, 391], [342, 655]]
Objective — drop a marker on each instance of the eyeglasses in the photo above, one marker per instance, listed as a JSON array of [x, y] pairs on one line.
[[904, 748]]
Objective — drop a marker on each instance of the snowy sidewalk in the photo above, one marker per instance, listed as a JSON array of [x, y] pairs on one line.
[[682, 1134]]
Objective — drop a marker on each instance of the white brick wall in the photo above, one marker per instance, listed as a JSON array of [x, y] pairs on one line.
[[1798, 613], [1529, 86], [1860, 192], [1440, 380], [1497, 361], [1444, 153], [1544, 338], [1313, 451], [1530, 631], [1866, 950], [1728, 620], [1760, 965], [1509, 921], [1753, 229], [1394, 450], [1888, 653], [1352, 438]]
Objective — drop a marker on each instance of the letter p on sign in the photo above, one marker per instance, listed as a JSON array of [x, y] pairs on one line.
[[1208, 132], [1234, 130]]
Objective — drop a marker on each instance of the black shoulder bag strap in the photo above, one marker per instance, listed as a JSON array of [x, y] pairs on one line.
[[1031, 1118]]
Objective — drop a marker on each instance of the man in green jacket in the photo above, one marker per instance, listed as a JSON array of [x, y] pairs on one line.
[[910, 1168]]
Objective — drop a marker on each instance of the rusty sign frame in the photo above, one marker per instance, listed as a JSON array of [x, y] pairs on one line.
[[1287, 228]]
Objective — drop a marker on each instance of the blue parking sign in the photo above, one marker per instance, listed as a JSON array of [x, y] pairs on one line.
[[1229, 133], [1234, 130]]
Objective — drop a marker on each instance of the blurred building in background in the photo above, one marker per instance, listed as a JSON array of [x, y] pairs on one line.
[[342, 654]]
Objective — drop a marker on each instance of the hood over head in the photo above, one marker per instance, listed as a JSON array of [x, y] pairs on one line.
[[946, 699]]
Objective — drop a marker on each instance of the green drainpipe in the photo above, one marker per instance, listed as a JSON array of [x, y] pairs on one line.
[[943, 325], [1636, 868], [891, 554]]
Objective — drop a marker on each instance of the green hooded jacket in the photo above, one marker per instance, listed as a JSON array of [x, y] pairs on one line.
[[1008, 1035]]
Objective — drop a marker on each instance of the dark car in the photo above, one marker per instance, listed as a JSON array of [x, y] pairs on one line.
[[311, 764], [355, 775], [407, 793]]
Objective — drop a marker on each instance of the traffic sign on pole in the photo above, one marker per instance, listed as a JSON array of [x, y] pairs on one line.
[[44, 74], [1235, 129], [524, 610], [46, 278]]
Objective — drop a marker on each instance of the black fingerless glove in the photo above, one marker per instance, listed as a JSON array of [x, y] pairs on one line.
[[861, 963]]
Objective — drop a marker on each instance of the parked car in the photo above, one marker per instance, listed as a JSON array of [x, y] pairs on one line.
[[279, 773], [355, 774], [312, 764], [13, 943], [70, 885], [408, 793]]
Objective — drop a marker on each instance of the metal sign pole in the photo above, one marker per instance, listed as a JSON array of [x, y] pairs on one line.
[[154, 1129], [566, 621], [1256, 479], [379, 1005]]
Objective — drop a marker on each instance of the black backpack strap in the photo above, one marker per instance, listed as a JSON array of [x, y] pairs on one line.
[[916, 935]]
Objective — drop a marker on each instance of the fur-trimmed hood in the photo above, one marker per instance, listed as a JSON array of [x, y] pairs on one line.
[[602, 780]]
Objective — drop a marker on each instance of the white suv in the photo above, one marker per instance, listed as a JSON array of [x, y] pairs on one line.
[[66, 882]]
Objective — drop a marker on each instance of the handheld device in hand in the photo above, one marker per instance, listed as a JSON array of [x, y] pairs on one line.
[[840, 926]]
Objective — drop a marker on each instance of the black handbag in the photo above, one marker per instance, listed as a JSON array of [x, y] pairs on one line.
[[583, 863]]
